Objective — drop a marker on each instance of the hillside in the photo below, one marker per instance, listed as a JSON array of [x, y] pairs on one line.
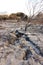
[[14, 16]]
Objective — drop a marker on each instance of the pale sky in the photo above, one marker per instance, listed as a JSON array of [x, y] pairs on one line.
[[11, 6]]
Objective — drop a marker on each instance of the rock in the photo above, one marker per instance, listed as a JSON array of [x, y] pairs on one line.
[[11, 38], [31, 61], [18, 34], [19, 54]]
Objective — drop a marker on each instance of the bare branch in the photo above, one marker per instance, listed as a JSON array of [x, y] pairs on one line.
[[34, 6]]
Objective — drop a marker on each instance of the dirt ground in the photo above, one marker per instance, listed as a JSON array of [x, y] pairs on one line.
[[20, 47]]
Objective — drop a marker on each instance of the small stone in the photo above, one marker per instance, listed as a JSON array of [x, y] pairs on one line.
[[19, 54]]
